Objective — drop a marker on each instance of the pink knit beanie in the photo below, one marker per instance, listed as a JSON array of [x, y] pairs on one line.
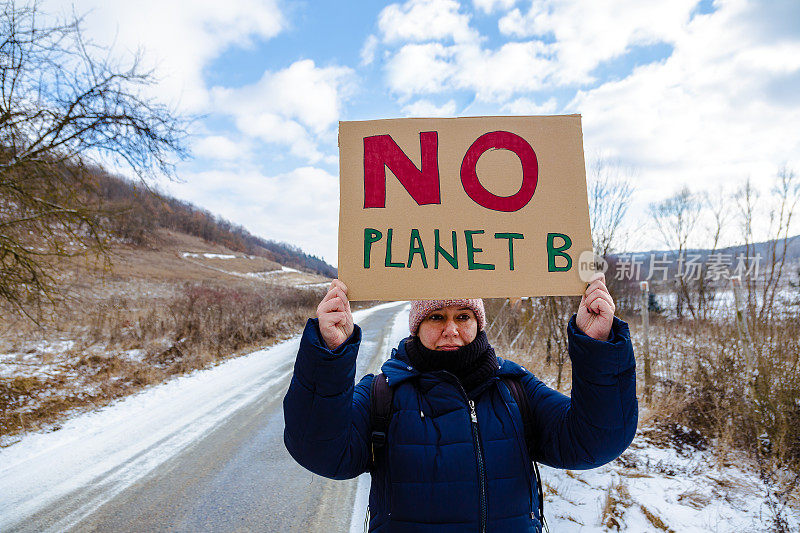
[[422, 308]]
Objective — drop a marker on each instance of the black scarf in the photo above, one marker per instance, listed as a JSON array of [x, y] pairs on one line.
[[472, 364]]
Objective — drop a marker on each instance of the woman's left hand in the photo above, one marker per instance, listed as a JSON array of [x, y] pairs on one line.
[[596, 311]]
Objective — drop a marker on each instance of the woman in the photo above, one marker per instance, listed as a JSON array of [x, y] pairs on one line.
[[455, 457]]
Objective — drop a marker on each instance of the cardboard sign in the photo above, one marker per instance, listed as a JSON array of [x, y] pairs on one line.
[[462, 207]]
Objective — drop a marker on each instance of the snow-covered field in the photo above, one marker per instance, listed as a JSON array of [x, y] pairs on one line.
[[652, 487]]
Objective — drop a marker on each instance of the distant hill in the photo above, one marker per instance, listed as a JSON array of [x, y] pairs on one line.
[[759, 248], [758, 254], [762, 249], [135, 212]]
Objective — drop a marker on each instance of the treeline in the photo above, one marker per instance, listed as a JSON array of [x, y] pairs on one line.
[[135, 212]]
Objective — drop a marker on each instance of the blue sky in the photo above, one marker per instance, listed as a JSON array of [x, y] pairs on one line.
[[683, 92]]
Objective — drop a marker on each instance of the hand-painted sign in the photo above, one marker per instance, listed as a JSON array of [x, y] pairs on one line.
[[464, 207]]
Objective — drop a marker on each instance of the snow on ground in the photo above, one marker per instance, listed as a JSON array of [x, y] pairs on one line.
[[650, 488], [209, 256], [320, 285], [268, 273], [120, 443], [288, 275], [47, 358], [28, 361], [655, 489]]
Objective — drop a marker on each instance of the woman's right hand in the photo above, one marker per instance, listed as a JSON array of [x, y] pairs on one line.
[[335, 317]]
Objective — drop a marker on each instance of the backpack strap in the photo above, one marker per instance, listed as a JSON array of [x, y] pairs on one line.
[[380, 413], [518, 393]]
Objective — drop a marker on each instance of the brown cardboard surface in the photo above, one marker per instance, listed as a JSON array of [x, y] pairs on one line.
[[559, 205]]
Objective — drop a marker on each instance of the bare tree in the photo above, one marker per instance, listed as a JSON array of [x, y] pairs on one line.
[[557, 310], [746, 198], [784, 198], [675, 219], [785, 195], [66, 104], [718, 208], [610, 192]]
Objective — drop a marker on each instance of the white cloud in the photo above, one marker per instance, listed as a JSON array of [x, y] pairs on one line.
[[368, 50], [426, 108], [178, 37], [444, 53], [420, 68], [296, 106], [585, 35], [494, 75], [425, 20], [588, 33], [219, 147], [526, 106], [488, 6], [705, 116], [299, 207], [275, 129]]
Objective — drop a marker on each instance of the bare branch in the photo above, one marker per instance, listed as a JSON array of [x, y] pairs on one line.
[[610, 195], [65, 105]]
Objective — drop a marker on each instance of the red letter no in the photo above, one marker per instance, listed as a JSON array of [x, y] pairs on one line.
[[530, 171], [381, 151]]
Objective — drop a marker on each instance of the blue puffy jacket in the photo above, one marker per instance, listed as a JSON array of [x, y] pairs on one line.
[[453, 463]]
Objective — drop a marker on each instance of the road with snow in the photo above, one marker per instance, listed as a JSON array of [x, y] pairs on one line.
[[201, 453]]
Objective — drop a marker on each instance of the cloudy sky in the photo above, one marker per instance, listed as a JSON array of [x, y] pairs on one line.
[[682, 92]]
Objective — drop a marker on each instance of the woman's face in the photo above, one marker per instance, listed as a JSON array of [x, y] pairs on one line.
[[448, 328]]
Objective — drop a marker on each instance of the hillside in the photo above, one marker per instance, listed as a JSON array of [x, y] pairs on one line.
[[159, 312], [763, 249], [181, 290], [138, 212], [182, 257]]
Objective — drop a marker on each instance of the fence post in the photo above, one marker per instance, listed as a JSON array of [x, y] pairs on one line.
[[742, 326], [648, 377]]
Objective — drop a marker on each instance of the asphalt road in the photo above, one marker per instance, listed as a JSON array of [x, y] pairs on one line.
[[236, 477]]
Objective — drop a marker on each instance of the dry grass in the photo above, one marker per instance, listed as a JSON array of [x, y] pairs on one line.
[[121, 345], [694, 499], [655, 520], [576, 477], [701, 393], [155, 316], [616, 501], [241, 263], [702, 388], [164, 261], [533, 348]]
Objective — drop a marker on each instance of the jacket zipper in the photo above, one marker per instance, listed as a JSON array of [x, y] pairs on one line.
[[481, 469], [476, 441]]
